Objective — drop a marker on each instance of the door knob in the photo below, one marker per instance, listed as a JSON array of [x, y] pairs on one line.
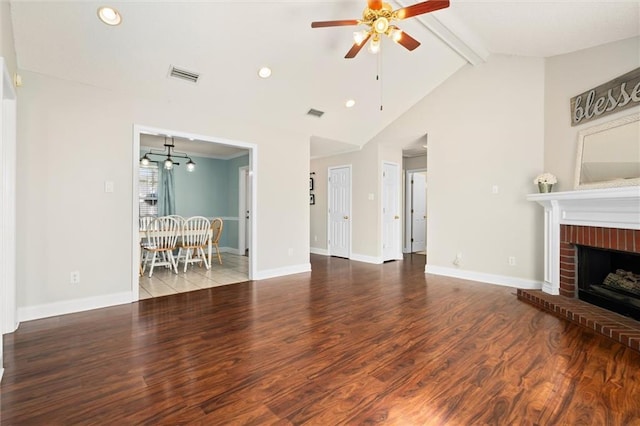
[[396, 217], [345, 217]]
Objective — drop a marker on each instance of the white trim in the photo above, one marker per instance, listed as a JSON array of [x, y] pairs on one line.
[[320, 251], [231, 250], [242, 207], [367, 259], [482, 277], [71, 306], [135, 234], [8, 141], [279, 272]]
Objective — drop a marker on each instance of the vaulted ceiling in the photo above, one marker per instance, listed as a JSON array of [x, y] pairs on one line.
[[227, 41]]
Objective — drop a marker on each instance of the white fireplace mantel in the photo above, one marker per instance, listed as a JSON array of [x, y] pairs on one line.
[[607, 208]]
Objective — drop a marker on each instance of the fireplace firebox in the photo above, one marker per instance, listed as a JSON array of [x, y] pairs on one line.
[[609, 279]]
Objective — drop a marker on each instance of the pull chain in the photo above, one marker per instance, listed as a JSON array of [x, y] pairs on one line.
[[379, 74]]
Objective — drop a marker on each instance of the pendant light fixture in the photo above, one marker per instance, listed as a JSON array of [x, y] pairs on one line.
[[170, 153]]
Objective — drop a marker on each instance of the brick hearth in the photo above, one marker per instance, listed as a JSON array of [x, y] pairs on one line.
[[610, 324]]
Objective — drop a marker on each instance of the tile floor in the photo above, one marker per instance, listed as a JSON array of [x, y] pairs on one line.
[[234, 269]]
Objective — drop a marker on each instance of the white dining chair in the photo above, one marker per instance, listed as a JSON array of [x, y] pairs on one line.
[[162, 239], [143, 224], [195, 236]]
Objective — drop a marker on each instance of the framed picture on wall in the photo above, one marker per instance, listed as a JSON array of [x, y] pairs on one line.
[[310, 184], [312, 199]]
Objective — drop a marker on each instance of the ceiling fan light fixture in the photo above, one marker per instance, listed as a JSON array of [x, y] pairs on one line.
[[381, 25], [395, 34], [374, 45], [145, 160], [360, 36], [350, 103], [191, 166], [109, 15]]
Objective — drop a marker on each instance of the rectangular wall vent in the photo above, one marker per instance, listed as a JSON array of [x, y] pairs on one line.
[[183, 74], [315, 112]]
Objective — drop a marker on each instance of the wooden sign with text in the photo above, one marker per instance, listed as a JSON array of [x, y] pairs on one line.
[[613, 96]]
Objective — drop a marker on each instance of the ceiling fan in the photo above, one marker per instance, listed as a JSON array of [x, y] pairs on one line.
[[378, 17]]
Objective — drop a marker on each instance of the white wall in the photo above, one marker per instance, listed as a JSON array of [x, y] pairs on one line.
[[365, 241], [7, 51], [485, 127], [73, 137], [568, 76]]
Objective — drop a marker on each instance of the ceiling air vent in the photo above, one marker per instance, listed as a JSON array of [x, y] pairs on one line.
[[315, 112], [183, 74]]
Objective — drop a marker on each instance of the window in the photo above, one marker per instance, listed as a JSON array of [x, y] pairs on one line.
[[148, 187]]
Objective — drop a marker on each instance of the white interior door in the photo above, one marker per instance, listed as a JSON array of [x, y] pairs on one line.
[[244, 210], [339, 228], [390, 212], [419, 212]]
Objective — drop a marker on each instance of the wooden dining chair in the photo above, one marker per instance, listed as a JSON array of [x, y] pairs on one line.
[[195, 234], [216, 230], [162, 239]]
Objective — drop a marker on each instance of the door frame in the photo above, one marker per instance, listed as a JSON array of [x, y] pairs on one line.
[[138, 129], [243, 174], [408, 199], [8, 142], [329, 169]]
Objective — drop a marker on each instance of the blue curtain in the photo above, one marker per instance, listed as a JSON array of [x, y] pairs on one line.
[[166, 196]]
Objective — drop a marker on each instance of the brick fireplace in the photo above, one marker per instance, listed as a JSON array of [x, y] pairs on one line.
[[606, 219], [623, 240]]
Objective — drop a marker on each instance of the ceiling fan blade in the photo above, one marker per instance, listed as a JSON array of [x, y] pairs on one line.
[[408, 42], [356, 48], [374, 4], [420, 8], [342, 23]]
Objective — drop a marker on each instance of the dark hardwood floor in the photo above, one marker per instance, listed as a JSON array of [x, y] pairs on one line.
[[349, 343]]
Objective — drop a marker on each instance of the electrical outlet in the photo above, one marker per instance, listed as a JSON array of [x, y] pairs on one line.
[[315, 238], [458, 259], [512, 261], [74, 277], [290, 252]]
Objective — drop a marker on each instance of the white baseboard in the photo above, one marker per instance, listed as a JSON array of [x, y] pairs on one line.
[[229, 250], [484, 278], [279, 272], [366, 259], [320, 251], [29, 313]]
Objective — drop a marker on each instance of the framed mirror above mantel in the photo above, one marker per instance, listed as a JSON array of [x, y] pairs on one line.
[[608, 154]]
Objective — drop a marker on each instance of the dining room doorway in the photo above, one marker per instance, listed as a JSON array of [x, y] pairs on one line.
[[232, 268]]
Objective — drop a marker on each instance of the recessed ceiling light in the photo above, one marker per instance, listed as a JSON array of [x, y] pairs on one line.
[[264, 72], [350, 103], [109, 15]]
